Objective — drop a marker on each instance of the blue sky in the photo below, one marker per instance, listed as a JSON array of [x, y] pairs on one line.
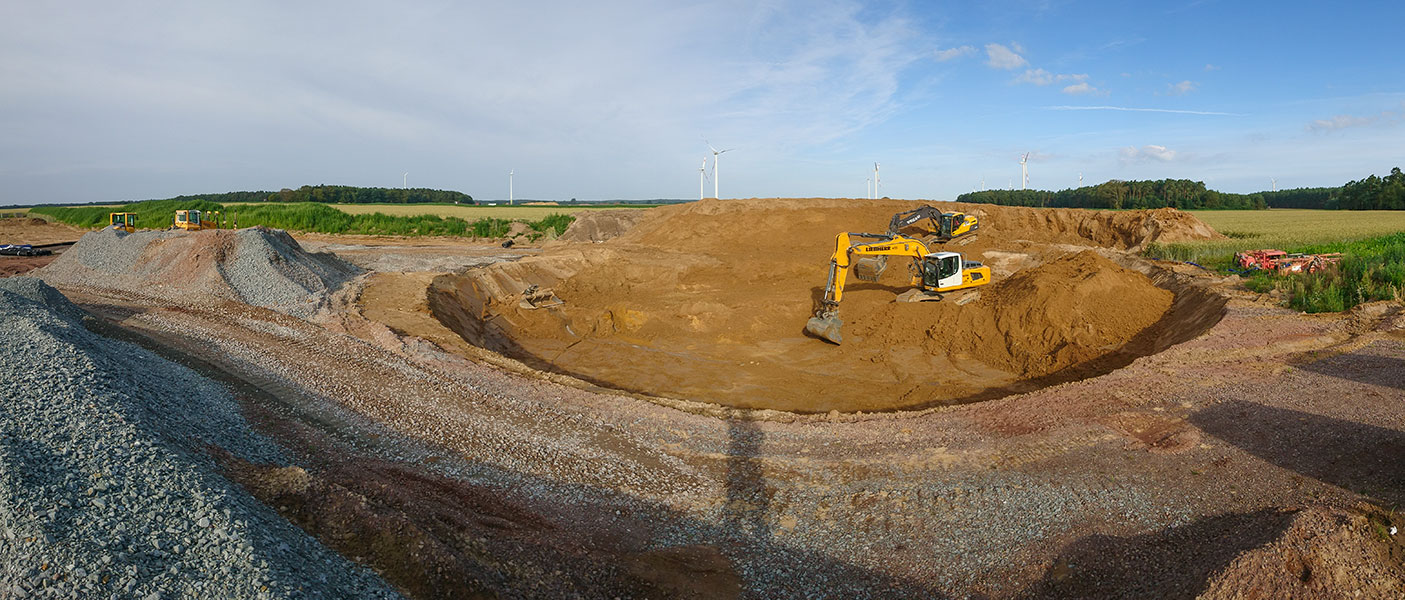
[[133, 100]]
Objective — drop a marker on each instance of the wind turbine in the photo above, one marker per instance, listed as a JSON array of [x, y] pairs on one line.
[[1024, 171], [868, 187], [1275, 183], [404, 180], [715, 154], [1080, 180], [702, 175], [509, 186], [876, 181]]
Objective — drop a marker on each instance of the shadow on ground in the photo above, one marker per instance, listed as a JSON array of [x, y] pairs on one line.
[[1172, 563], [1367, 459], [1362, 367]]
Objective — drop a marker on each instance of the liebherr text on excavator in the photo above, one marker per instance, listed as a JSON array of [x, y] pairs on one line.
[[933, 273]]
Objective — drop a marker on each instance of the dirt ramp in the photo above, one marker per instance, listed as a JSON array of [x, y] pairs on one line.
[[257, 266]]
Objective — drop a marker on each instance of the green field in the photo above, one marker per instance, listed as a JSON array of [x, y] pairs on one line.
[[1284, 229], [466, 212]]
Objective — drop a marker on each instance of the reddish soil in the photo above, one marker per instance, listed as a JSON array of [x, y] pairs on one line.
[[707, 302]]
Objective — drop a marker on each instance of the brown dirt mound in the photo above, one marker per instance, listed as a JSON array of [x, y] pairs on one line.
[[601, 225], [707, 301]]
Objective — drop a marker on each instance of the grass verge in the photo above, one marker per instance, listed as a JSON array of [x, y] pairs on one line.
[[310, 217]]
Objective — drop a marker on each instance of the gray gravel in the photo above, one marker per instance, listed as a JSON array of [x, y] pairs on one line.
[[257, 266], [105, 488]]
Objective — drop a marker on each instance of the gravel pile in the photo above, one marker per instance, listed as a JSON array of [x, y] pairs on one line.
[[105, 486], [257, 266]]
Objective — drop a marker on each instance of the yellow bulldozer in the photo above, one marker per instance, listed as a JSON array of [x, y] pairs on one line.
[[196, 220], [125, 221], [933, 274]]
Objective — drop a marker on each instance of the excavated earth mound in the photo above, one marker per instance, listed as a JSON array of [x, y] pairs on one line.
[[257, 266], [708, 301], [601, 225]]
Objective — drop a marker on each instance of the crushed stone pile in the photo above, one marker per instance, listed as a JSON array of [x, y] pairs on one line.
[[257, 266], [707, 301], [106, 486]]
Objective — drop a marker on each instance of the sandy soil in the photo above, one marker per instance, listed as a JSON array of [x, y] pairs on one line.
[[1255, 460], [708, 302], [35, 231]]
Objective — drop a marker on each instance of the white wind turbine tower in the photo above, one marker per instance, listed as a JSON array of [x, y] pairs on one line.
[[1080, 180], [1024, 171], [1275, 183], [868, 187], [715, 154], [876, 181], [509, 185], [405, 180], [702, 175]]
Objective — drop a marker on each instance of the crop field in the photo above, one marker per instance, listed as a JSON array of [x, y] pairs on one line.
[[469, 213], [1285, 229]]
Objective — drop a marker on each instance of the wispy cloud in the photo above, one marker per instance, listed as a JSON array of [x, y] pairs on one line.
[[998, 56], [1182, 88], [1150, 110], [1210, 67], [1385, 117], [954, 53], [1080, 88], [1042, 77], [1147, 153]]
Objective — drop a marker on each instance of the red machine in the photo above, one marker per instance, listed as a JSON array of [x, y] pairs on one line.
[[1284, 263]]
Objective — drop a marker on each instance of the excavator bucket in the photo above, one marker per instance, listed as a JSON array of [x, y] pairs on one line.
[[869, 268], [825, 328], [534, 297]]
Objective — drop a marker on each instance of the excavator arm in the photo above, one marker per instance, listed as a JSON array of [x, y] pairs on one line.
[[826, 324], [944, 226]]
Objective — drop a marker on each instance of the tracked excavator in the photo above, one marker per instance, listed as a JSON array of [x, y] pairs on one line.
[[941, 227], [933, 274]]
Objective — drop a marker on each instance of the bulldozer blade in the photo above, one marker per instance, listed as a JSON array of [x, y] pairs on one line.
[[825, 328]]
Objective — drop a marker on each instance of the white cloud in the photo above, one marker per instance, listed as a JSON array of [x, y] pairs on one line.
[[1150, 110], [1385, 117], [1210, 67], [954, 53], [1182, 88], [448, 94], [1080, 88], [1042, 77], [1147, 153], [1001, 57]]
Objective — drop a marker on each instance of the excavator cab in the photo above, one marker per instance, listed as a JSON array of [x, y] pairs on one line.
[[125, 221], [945, 271]]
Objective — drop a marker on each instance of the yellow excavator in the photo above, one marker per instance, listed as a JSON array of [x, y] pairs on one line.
[[933, 274], [942, 227], [125, 221]]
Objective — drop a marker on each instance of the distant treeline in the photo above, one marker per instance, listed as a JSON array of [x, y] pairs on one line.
[[341, 194], [1371, 193], [1116, 194]]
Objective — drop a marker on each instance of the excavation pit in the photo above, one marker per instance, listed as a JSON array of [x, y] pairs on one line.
[[708, 302]]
